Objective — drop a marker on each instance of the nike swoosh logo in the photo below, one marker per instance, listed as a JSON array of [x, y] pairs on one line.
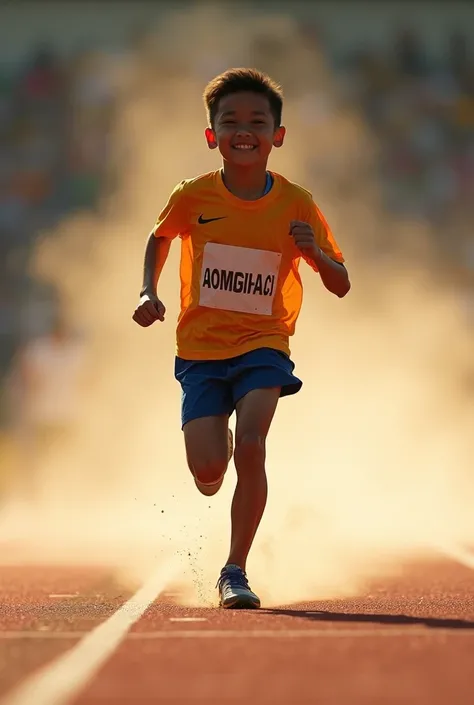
[[203, 221]]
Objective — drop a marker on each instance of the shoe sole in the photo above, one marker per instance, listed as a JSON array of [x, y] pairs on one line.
[[240, 603]]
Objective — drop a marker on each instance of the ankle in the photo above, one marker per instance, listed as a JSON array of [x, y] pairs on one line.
[[236, 562]]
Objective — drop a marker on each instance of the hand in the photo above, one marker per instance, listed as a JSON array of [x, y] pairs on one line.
[[149, 310], [303, 236]]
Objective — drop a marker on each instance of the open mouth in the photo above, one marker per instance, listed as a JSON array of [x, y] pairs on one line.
[[244, 147]]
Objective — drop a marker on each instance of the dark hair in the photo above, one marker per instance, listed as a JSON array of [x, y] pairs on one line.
[[239, 81]]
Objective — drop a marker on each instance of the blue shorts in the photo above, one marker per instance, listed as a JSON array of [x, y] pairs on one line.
[[213, 387]]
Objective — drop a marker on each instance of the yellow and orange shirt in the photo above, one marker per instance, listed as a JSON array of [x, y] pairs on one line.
[[240, 285]]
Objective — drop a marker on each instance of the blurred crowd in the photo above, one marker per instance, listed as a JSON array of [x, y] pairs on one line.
[[55, 117], [422, 111]]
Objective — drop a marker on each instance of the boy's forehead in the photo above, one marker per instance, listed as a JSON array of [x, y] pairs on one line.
[[245, 102]]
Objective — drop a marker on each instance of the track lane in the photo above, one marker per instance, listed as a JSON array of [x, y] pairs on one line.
[[408, 639], [46, 600]]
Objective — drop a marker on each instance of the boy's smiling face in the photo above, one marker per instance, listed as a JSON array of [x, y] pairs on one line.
[[244, 129]]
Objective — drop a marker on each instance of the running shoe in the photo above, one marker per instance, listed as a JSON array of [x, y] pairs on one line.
[[234, 590]]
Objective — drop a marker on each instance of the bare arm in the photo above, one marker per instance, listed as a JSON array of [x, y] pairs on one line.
[[156, 254], [171, 222], [334, 275], [150, 308]]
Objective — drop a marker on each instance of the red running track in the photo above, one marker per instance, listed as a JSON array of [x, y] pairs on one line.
[[410, 640]]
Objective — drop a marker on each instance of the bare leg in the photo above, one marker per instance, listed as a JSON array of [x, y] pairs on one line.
[[207, 451], [255, 413]]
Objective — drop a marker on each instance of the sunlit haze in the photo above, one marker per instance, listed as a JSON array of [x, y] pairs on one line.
[[369, 465]]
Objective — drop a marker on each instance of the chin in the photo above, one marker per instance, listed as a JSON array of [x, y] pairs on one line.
[[244, 159], [246, 162]]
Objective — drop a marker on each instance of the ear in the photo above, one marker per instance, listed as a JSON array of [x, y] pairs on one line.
[[211, 138], [279, 136]]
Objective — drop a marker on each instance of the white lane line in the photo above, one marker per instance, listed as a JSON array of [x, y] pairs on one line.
[[188, 619], [407, 631], [60, 681], [64, 595]]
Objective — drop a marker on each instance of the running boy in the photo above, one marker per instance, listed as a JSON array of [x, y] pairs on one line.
[[243, 231]]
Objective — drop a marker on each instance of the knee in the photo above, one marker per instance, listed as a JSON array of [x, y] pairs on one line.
[[249, 451], [208, 472]]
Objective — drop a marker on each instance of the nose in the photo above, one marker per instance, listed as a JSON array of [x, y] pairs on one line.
[[242, 131]]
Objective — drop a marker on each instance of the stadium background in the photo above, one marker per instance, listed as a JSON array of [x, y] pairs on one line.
[[381, 95]]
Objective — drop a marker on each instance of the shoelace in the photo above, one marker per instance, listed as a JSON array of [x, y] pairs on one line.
[[235, 578]]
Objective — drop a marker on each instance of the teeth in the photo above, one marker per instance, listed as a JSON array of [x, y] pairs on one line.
[[244, 146]]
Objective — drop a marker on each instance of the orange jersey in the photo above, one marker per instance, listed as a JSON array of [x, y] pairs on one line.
[[240, 285]]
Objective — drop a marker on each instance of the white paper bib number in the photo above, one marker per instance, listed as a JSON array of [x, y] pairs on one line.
[[239, 278]]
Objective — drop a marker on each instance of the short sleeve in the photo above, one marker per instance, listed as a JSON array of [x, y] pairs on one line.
[[323, 234], [173, 219]]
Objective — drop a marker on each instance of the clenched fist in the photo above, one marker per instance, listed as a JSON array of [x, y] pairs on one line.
[[149, 310], [303, 236]]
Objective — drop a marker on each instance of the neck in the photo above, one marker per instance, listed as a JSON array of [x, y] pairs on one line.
[[247, 183]]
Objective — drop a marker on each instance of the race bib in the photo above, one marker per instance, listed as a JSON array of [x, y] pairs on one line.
[[239, 278]]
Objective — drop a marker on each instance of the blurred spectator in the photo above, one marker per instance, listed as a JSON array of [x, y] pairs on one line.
[[45, 388], [409, 56], [91, 101], [458, 59]]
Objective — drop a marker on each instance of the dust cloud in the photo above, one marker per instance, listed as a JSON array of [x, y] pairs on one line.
[[369, 466]]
